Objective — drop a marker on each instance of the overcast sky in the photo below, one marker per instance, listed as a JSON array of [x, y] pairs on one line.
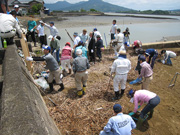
[[137, 4]]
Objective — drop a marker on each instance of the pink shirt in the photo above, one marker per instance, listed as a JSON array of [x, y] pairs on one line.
[[66, 53], [146, 70], [142, 96]]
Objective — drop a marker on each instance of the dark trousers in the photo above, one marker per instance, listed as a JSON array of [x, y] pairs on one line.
[[32, 36], [150, 106], [153, 59], [98, 53], [42, 40], [112, 36], [92, 56], [8, 40]]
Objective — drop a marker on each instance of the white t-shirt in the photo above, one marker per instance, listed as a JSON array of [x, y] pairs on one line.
[[113, 29], [41, 30], [76, 40]]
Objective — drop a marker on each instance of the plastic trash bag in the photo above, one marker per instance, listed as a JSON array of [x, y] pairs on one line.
[[42, 82], [136, 81]]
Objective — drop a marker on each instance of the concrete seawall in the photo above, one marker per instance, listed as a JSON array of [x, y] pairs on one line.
[[23, 110]]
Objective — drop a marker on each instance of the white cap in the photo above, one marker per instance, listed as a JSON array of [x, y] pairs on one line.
[[16, 6], [78, 52], [41, 21], [50, 37]]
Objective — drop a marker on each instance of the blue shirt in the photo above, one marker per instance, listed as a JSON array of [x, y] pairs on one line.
[[151, 52], [31, 25], [84, 51], [121, 124]]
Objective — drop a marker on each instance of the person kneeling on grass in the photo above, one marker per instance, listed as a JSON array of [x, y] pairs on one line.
[[80, 65], [120, 124], [53, 67], [144, 96]]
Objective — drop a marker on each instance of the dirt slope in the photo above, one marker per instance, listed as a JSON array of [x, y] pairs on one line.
[[89, 114]]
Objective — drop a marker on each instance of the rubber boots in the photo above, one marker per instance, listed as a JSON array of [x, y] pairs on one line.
[[122, 92], [50, 87], [61, 87], [80, 93], [151, 114], [139, 123], [117, 96], [84, 89]]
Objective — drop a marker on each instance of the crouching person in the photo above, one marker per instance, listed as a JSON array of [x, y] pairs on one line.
[[120, 124], [144, 96], [53, 67], [80, 65]]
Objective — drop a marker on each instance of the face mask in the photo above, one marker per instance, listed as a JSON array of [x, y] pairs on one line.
[[131, 100]]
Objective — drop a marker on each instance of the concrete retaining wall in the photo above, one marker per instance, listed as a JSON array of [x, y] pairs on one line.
[[23, 110]]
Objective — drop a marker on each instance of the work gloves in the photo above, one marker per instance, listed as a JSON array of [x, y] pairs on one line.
[[29, 58], [31, 30]]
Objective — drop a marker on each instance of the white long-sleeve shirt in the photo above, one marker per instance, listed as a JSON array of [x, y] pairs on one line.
[[170, 54], [121, 66], [53, 30], [121, 124], [8, 23]]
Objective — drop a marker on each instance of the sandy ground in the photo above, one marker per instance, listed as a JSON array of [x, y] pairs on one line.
[[89, 114]]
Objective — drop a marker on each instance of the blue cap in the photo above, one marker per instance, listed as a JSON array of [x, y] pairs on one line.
[[117, 108], [142, 58], [47, 48], [51, 23], [95, 29], [75, 33], [131, 92]]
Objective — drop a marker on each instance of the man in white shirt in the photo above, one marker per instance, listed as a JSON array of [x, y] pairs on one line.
[[113, 30], [96, 32], [119, 39], [84, 37], [76, 39], [121, 67], [53, 29], [40, 31], [167, 56], [120, 124], [9, 26]]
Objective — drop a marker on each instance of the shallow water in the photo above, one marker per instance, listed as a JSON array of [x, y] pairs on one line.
[[146, 30]]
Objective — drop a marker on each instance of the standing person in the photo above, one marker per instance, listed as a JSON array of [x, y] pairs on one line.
[[66, 58], [52, 28], [76, 39], [119, 39], [151, 53], [84, 37], [54, 46], [31, 30], [126, 35], [167, 56], [9, 28], [140, 54], [146, 73], [121, 67], [40, 31], [80, 65], [113, 30], [52, 66], [99, 45], [4, 8], [144, 96], [16, 8], [120, 124], [91, 47], [96, 32]]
